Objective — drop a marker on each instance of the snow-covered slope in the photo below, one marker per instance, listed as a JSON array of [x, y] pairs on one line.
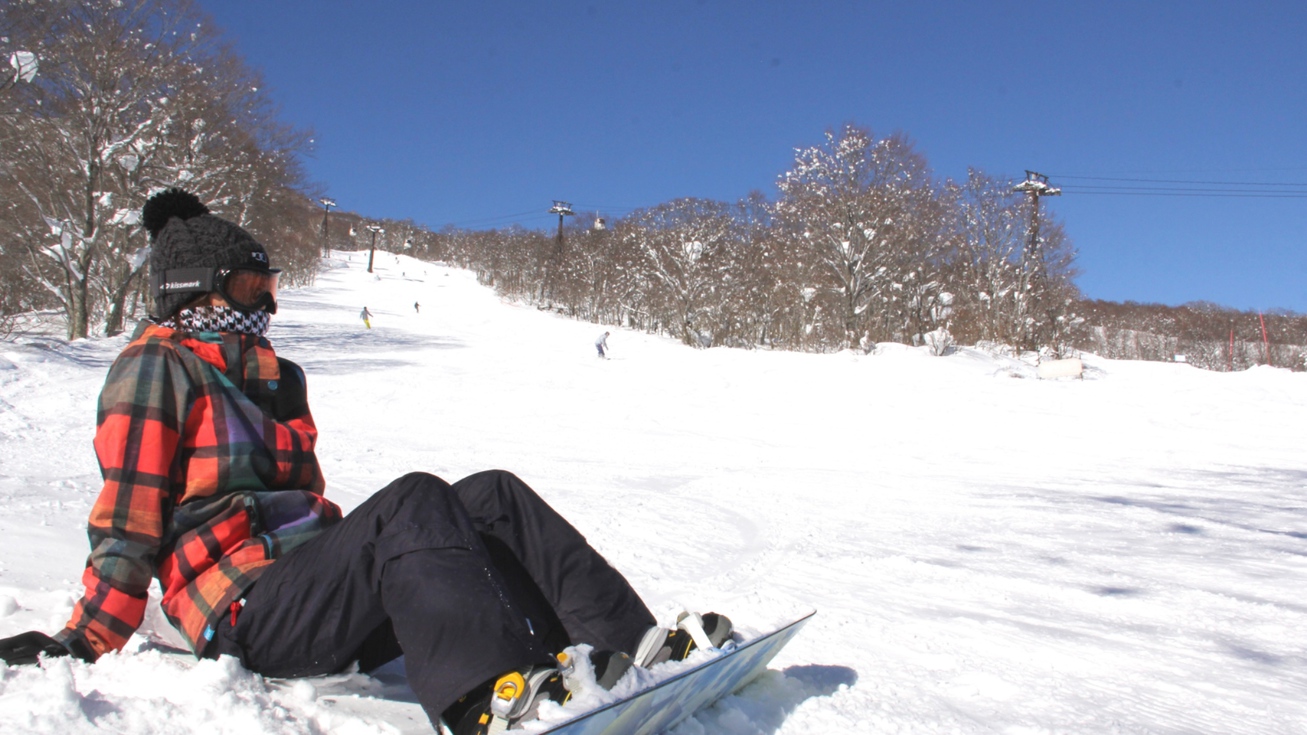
[[987, 552]]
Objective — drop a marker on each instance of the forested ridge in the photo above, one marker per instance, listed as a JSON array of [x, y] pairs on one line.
[[105, 102]]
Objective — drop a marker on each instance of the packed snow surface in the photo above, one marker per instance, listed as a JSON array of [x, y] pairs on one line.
[[987, 552]]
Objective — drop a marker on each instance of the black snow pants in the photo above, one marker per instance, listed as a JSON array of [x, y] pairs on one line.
[[466, 581]]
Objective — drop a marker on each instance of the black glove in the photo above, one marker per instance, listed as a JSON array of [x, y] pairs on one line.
[[24, 648]]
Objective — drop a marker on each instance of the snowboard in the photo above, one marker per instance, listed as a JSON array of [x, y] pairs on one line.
[[670, 701]]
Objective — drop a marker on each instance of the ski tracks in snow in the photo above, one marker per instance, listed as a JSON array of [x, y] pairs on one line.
[[1123, 554]]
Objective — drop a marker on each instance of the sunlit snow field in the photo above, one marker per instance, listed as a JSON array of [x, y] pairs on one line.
[[987, 552]]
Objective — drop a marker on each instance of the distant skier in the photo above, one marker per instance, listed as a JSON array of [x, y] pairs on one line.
[[601, 345], [366, 316], [417, 308]]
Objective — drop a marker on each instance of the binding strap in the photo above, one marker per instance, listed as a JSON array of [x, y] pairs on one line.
[[692, 623]]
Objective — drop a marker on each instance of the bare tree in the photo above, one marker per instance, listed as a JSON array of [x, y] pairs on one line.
[[1049, 294], [990, 224], [106, 85], [685, 248], [860, 209], [133, 96]]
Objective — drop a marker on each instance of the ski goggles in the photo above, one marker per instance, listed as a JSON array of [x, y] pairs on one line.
[[245, 289]]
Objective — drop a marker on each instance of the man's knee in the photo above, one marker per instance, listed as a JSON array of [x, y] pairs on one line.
[[498, 483], [492, 478], [417, 511], [493, 493], [415, 488]]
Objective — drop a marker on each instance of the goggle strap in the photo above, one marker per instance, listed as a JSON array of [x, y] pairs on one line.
[[206, 280], [184, 280]]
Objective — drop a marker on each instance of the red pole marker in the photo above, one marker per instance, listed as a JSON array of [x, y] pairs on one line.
[[1266, 342]]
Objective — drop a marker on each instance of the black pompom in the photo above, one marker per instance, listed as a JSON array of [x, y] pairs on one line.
[[167, 204]]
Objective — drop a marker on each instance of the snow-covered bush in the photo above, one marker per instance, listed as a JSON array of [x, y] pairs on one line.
[[939, 342]]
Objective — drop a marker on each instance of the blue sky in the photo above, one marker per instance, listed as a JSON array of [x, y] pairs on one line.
[[479, 114]]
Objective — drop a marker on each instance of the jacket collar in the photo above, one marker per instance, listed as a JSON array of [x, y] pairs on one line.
[[219, 349]]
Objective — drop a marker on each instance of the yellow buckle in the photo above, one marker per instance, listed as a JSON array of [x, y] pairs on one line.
[[507, 690]]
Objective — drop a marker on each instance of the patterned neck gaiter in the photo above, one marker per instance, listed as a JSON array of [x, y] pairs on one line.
[[219, 319]]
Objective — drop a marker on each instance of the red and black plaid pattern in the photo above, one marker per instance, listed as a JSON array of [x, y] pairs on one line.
[[202, 487]]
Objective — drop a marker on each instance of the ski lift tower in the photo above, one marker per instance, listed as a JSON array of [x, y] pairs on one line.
[[1033, 276], [372, 251], [1035, 186], [562, 209], [327, 204]]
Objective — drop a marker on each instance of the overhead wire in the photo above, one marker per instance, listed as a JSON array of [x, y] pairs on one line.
[[503, 218], [539, 215], [1179, 181], [606, 208], [1184, 194], [1123, 187], [1182, 187]]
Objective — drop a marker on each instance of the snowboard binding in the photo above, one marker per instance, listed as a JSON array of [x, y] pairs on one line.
[[710, 631], [515, 696], [512, 698]]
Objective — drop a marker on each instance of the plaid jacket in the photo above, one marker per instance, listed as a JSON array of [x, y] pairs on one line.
[[203, 488]]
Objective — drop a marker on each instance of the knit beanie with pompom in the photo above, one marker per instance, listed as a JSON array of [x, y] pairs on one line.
[[184, 234]]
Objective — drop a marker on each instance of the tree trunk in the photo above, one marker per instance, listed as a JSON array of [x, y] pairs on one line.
[[78, 309], [113, 324]]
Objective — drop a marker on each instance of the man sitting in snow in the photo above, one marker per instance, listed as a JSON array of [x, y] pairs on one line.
[[211, 484]]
